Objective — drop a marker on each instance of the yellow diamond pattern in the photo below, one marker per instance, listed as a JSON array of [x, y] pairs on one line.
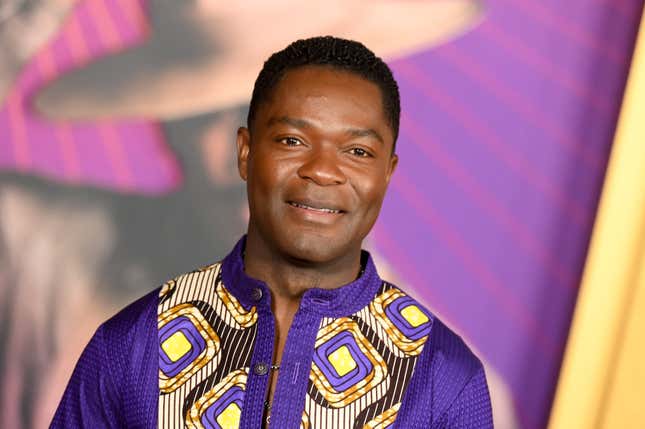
[[176, 346], [414, 316], [342, 361], [230, 417]]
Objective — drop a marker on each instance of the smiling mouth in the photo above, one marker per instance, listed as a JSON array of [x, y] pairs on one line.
[[315, 209]]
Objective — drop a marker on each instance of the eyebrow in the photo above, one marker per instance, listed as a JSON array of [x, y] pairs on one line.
[[294, 122], [365, 132], [302, 123]]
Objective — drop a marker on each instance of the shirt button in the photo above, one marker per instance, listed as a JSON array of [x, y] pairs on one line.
[[256, 294], [261, 368]]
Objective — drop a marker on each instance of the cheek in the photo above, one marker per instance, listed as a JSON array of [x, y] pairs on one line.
[[268, 180], [371, 192], [260, 171]]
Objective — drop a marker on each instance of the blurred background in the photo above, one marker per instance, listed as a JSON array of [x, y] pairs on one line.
[[517, 213]]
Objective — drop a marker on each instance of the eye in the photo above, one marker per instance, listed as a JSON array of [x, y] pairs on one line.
[[290, 141], [360, 152]]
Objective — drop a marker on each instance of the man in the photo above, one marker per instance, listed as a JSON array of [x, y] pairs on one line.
[[294, 328]]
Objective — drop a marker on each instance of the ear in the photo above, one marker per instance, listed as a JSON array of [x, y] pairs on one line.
[[243, 145], [393, 162]]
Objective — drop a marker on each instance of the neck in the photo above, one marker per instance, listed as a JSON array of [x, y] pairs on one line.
[[289, 278]]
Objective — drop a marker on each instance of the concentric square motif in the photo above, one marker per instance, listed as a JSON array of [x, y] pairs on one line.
[[186, 344], [220, 407], [245, 318], [384, 420], [346, 366], [407, 323]]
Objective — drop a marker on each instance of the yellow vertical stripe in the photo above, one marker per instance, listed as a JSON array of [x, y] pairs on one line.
[[625, 406], [602, 382]]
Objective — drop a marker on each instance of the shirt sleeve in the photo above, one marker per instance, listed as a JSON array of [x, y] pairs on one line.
[[90, 399], [471, 409]]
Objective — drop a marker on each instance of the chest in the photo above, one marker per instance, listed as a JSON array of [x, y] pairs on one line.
[[215, 361]]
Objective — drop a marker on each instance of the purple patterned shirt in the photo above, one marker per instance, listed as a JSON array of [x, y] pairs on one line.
[[197, 353]]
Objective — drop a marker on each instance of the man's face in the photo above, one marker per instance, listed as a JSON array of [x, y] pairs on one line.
[[317, 162]]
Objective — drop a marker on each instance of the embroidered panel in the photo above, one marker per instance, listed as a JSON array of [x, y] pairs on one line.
[[362, 364], [205, 343]]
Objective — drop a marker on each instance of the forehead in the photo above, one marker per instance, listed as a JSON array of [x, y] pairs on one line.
[[328, 93]]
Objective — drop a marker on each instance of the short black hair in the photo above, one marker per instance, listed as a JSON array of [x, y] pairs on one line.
[[343, 54]]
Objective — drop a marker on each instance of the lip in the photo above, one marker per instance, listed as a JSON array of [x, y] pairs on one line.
[[317, 207]]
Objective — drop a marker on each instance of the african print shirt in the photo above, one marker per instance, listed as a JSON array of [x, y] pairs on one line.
[[365, 355]]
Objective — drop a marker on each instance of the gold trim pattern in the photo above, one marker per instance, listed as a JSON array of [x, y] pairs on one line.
[[385, 419], [304, 422], [244, 318], [167, 287]]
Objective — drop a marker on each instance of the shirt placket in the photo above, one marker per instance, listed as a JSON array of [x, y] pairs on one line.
[[259, 371], [291, 389]]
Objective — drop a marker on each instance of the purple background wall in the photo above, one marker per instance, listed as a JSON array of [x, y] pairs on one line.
[[505, 136], [504, 140]]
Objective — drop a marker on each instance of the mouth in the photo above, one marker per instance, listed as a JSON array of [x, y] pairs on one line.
[[315, 207]]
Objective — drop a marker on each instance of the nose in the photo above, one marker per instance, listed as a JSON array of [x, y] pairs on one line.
[[323, 168]]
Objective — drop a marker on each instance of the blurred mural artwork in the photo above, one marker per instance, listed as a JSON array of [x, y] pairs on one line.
[[117, 165]]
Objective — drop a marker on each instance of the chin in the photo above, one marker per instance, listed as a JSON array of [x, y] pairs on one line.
[[315, 248]]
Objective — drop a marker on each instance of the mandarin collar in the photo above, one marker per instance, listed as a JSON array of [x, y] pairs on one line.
[[342, 301]]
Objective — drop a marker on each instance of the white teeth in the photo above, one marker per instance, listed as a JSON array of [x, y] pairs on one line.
[[304, 206]]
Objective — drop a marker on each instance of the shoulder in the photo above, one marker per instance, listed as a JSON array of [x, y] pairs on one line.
[[113, 383], [133, 321], [130, 345], [441, 345], [446, 367], [449, 351], [460, 393], [195, 284], [401, 321], [138, 320]]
